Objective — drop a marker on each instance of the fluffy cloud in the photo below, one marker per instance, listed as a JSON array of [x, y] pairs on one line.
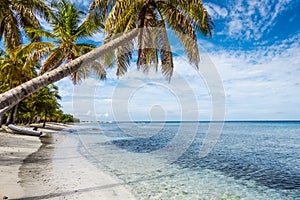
[[248, 19], [258, 84]]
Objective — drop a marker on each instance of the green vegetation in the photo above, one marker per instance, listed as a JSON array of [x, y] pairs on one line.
[[67, 29], [43, 106], [151, 17], [32, 65], [20, 63]]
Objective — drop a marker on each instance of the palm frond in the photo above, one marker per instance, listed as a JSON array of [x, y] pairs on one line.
[[127, 20], [82, 73], [91, 25], [101, 6], [11, 31], [166, 55], [65, 17], [109, 56], [37, 33], [123, 56], [39, 7], [199, 16], [35, 51], [147, 39], [119, 8], [40, 53], [98, 70], [26, 15], [84, 48], [54, 60], [183, 29]]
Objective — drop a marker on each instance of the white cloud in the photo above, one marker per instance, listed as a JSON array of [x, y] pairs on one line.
[[98, 37], [267, 88], [248, 19], [83, 4], [216, 11], [262, 83]]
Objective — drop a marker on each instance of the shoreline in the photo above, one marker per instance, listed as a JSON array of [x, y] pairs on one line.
[[53, 168], [14, 149]]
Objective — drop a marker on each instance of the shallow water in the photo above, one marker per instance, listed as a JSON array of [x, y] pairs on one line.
[[251, 160]]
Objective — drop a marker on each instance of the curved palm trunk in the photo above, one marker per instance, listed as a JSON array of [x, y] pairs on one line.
[[18, 93]]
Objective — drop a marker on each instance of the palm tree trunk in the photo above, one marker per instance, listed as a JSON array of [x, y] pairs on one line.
[[10, 118], [14, 117], [3, 111], [7, 108], [18, 93], [0, 121], [44, 124]]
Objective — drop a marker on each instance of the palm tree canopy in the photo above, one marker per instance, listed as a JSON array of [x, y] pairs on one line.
[[152, 17], [13, 96], [16, 68], [190, 16], [68, 28], [18, 14]]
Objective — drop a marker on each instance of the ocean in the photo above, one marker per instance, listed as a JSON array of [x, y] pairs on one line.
[[161, 160]]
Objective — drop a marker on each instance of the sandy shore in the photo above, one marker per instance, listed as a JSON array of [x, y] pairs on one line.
[[51, 167]]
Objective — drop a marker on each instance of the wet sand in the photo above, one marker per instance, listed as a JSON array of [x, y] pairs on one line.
[[52, 168]]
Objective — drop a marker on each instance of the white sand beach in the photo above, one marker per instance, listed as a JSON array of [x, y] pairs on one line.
[[52, 168]]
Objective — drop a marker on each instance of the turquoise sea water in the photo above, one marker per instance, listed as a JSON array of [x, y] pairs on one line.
[[250, 160]]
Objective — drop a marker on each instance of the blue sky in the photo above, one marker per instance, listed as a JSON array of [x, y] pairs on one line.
[[254, 57]]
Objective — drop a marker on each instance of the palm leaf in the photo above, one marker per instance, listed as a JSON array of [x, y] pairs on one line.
[[76, 77], [54, 60], [91, 25], [38, 7], [147, 39], [195, 10], [26, 15], [37, 32], [35, 51], [183, 29], [165, 52], [11, 31], [109, 56], [84, 48], [123, 56], [101, 6], [115, 14], [98, 70]]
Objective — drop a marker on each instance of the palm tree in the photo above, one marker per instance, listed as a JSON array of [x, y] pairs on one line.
[[45, 101], [68, 28], [18, 93], [190, 16], [152, 17], [18, 14], [41, 104], [15, 69]]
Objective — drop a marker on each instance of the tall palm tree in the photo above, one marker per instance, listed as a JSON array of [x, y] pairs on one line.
[[68, 28], [190, 16], [152, 17], [18, 14]]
